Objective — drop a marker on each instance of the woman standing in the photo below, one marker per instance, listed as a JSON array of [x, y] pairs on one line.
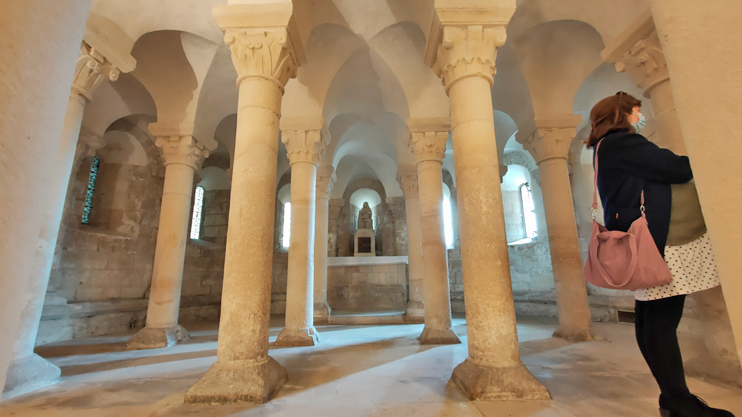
[[628, 165]]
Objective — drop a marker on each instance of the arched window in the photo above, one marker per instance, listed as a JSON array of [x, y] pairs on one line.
[[448, 222], [286, 225], [529, 211], [198, 205], [91, 190]]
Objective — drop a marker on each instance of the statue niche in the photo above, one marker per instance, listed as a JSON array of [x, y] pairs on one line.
[[365, 239]]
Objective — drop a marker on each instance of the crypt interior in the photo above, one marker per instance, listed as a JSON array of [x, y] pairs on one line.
[[345, 207]]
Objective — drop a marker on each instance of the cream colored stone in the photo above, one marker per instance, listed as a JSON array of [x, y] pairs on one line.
[[550, 148], [407, 177], [305, 147], [91, 69], [183, 155], [428, 144], [244, 372], [465, 59], [325, 180], [39, 44]]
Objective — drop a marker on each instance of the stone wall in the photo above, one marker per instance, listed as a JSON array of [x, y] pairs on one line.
[[103, 270], [367, 288], [215, 216], [112, 256]]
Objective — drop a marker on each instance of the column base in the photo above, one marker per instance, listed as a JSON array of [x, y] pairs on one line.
[[415, 312], [154, 338], [489, 383], [438, 337], [235, 383], [30, 373], [297, 337], [575, 334], [322, 313]]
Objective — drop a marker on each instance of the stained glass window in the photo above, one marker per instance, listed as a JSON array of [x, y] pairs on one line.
[[91, 190], [286, 225], [198, 204]]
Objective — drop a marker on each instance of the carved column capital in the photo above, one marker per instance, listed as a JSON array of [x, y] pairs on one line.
[[305, 138], [184, 150], [92, 67], [262, 53], [407, 179], [409, 185], [553, 138], [638, 52], [88, 143], [468, 51], [429, 137], [325, 181]]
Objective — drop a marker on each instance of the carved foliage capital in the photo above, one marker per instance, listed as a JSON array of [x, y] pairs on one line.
[[645, 63], [325, 183], [304, 145], [409, 186], [262, 53], [549, 143], [184, 150], [429, 146], [468, 51], [91, 69]]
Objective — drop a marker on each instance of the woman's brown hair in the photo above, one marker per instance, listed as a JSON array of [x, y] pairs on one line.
[[610, 115]]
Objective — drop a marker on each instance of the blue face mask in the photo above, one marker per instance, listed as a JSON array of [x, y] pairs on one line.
[[639, 124]]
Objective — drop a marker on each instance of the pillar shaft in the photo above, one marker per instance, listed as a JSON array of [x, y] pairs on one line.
[[28, 371], [325, 182], [300, 284], [182, 154], [304, 150], [550, 148], [493, 340], [34, 84], [264, 62], [465, 60], [429, 147], [408, 180]]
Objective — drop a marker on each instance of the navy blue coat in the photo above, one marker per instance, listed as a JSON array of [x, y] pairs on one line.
[[627, 164]]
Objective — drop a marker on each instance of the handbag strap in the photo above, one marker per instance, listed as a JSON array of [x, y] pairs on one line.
[[595, 186]]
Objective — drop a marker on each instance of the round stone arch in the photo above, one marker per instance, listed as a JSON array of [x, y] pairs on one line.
[[525, 160], [345, 233]]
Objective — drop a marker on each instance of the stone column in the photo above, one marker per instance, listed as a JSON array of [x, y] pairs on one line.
[[464, 56], [325, 181], [639, 53], [39, 44], [265, 60], [183, 156], [27, 370], [428, 144], [305, 143], [407, 178], [550, 148]]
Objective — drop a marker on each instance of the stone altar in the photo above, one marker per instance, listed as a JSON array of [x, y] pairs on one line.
[[367, 284]]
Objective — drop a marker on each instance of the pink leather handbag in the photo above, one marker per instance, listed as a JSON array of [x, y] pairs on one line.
[[623, 260]]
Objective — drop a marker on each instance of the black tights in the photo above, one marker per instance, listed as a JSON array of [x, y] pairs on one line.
[[656, 333]]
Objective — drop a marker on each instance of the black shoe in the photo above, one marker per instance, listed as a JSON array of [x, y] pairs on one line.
[[705, 410], [715, 412]]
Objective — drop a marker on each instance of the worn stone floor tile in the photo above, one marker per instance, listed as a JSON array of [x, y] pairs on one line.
[[360, 371]]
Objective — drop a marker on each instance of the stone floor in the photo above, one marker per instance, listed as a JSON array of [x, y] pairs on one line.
[[358, 371]]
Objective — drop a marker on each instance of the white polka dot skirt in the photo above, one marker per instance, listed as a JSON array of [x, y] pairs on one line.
[[693, 269]]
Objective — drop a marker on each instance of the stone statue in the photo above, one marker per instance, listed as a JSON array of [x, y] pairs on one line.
[[365, 218]]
